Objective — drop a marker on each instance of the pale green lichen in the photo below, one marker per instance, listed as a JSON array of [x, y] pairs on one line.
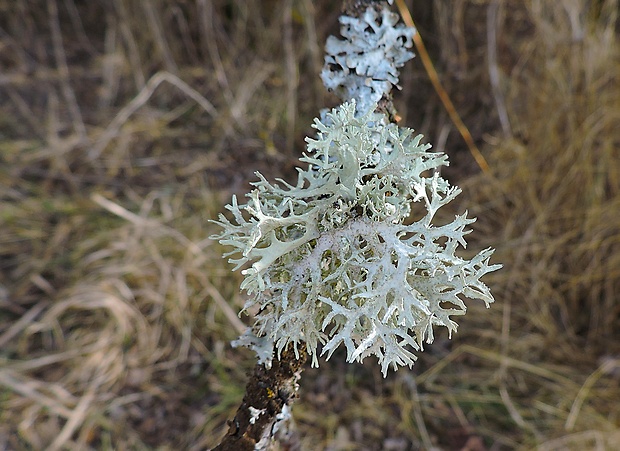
[[332, 259], [364, 65]]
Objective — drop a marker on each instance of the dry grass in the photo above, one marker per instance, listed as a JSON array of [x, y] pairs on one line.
[[125, 127]]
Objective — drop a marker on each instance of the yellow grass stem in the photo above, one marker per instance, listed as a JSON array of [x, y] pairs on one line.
[[441, 92]]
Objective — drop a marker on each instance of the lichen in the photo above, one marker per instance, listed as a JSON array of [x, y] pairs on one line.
[[364, 65], [334, 260]]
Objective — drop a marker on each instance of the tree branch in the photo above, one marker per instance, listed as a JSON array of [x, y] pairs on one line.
[[265, 409]]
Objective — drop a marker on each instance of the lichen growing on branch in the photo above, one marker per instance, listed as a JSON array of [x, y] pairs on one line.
[[364, 65], [333, 261]]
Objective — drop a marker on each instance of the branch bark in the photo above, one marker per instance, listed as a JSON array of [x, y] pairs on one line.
[[265, 410]]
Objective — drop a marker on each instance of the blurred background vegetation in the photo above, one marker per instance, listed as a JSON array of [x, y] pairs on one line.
[[126, 125]]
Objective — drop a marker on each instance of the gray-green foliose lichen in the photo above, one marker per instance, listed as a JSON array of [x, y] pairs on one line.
[[332, 258]]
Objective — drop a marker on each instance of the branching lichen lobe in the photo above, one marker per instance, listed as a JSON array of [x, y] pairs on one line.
[[334, 261]]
